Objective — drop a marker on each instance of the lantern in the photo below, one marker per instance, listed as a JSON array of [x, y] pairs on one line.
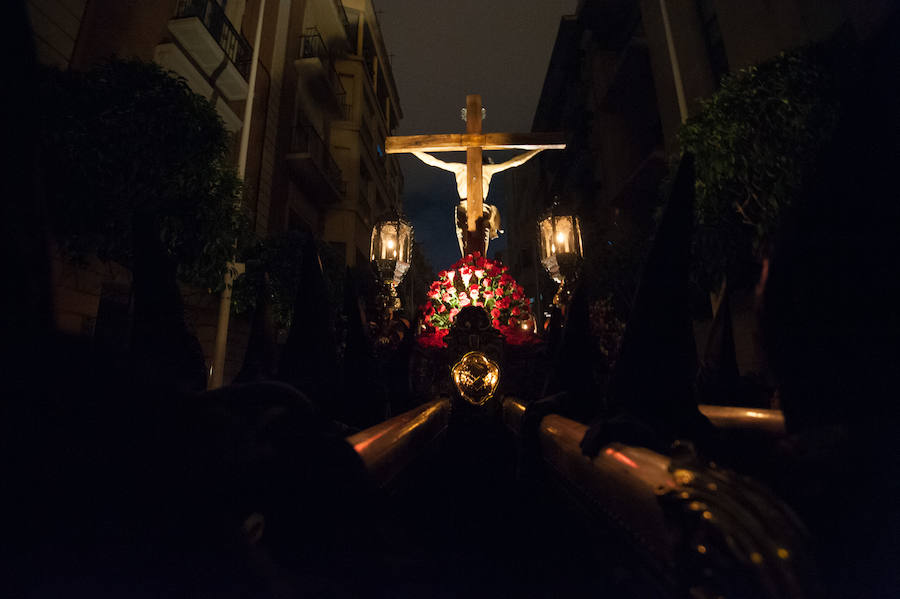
[[391, 247], [560, 245]]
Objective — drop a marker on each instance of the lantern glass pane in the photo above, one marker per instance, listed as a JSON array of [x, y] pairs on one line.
[[386, 243], [403, 243], [546, 233], [565, 235], [580, 247], [393, 234]]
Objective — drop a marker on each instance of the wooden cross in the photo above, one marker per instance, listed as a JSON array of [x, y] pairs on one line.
[[473, 142]]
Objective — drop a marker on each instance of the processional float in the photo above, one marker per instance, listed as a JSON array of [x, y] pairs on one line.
[[703, 531]]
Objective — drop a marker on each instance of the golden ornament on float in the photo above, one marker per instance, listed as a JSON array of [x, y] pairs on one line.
[[476, 377]]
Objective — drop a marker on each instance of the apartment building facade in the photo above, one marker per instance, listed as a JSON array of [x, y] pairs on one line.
[[324, 101], [623, 76], [347, 103]]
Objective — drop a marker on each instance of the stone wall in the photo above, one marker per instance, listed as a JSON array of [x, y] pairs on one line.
[[79, 287]]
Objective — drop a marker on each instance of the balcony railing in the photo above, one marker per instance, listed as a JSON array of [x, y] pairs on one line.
[[313, 46], [213, 17], [306, 140]]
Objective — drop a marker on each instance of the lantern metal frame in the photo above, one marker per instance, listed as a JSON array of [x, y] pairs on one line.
[[561, 249], [391, 256]]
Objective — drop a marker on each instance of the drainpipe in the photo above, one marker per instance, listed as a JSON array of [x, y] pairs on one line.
[[217, 370], [673, 57]]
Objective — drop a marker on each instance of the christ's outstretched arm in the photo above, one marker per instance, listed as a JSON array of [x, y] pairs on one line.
[[430, 160], [517, 161], [457, 168]]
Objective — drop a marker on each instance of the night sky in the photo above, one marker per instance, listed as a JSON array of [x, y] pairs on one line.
[[441, 51]]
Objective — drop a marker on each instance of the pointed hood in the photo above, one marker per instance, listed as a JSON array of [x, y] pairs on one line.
[[309, 361], [260, 359], [654, 375], [718, 379]]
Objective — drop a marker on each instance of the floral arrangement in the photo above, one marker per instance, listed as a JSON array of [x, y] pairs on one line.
[[477, 281]]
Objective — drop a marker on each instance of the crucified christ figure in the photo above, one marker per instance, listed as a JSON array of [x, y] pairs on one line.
[[491, 216]]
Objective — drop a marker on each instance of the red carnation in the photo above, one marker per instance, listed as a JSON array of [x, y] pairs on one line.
[[441, 309], [495, 312], [496, 323]]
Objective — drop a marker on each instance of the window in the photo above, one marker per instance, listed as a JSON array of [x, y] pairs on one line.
[[352, 27]]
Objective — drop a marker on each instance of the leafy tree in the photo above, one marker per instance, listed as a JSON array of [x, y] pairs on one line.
[[272, 264], [275, 262], [755, 141], [127, 139]]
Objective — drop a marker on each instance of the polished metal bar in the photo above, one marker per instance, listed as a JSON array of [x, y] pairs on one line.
[[725, 417], [623, 482], [729, 417], [390, 446], [513, 413]]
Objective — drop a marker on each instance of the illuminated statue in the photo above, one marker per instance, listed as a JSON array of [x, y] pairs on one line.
[[473, 178], [490, 219]]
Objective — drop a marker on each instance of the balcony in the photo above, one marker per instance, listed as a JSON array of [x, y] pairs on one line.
[[316, 70], [312, 167], [171, 57], [201, 28]]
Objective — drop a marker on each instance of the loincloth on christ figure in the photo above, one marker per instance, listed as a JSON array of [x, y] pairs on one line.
[[489, 224]]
